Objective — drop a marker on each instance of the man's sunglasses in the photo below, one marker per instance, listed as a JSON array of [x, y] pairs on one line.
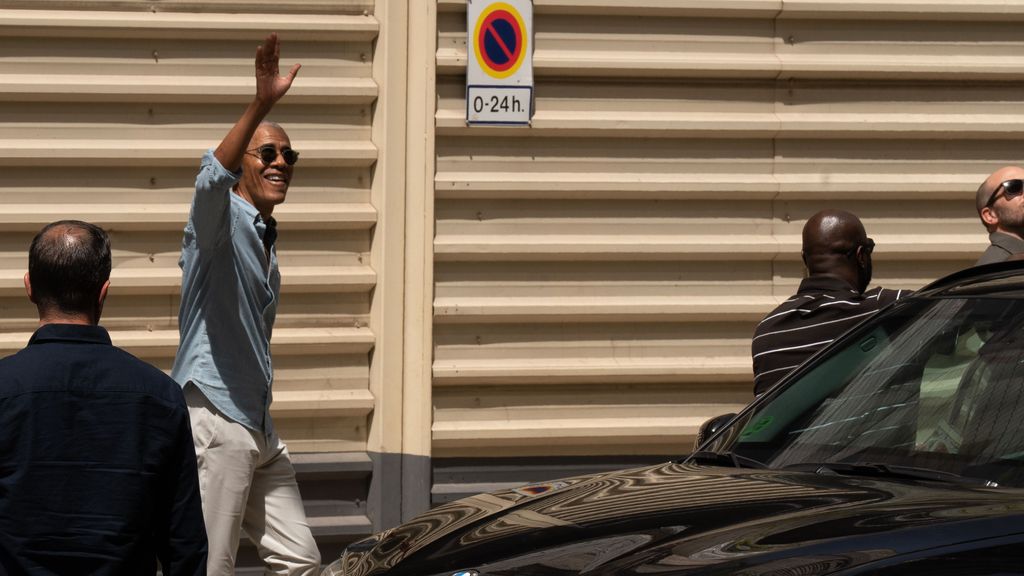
[[1011, 189], [268, 153], [868, 246]]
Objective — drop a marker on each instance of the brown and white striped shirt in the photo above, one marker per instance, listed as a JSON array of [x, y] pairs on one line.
[[821, 310]]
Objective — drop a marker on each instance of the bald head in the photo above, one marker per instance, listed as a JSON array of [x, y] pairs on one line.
[[830, 247], [990, 186], [998, 211], [832, 231]]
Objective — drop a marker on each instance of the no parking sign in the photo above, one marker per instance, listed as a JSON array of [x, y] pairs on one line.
[[499, 74]]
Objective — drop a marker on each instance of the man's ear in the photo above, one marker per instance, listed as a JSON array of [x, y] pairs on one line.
[[863, 258], [989, 216], [28, 289], [101, 300]]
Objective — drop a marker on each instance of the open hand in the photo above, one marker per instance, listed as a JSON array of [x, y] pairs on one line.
[[270, 85]]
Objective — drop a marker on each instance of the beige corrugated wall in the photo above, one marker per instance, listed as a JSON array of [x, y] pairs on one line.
[[105, 113], [585, 286], [599, 274], [107, 107]]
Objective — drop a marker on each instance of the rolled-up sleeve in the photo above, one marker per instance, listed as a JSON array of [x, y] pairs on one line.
[[208, 221]]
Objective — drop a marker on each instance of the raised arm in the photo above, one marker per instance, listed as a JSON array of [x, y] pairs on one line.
[[270, 87]]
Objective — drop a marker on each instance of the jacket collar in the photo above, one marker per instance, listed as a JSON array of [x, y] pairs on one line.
[[70, 333], [1008, 242]]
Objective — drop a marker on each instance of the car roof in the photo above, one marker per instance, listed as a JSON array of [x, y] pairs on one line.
[[998, 279]]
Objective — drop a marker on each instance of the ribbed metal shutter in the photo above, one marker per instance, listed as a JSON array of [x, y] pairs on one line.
[[595, 278], [105, 114], [599, 274]]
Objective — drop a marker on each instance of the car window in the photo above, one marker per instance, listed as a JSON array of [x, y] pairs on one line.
[[935, 383]]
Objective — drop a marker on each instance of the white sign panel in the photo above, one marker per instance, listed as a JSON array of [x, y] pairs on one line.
[[499, 74]]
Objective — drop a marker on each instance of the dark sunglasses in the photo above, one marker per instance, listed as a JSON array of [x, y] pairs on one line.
[[268, 153], [1011, 189], [868, 246]]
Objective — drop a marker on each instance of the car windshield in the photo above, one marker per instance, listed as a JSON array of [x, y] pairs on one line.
[[935, 385]]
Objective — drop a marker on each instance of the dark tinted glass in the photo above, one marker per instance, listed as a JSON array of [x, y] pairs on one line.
[[936, 384], [268, 154]]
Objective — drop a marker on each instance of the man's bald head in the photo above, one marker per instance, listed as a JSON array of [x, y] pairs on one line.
[[832, 231], [999, 215], [832, 246], [987, 190]]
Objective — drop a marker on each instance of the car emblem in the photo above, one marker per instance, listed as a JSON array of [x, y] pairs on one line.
[[466, 573]]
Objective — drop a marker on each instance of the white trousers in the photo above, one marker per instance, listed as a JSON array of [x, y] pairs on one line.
[[247, 482]]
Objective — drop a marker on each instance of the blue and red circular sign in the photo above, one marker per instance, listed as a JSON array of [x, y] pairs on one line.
[[500, 40]]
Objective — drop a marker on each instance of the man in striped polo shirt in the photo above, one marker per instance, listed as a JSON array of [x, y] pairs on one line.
[[831, 300]]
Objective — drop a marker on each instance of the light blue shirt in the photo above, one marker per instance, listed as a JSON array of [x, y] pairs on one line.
[[229, 295]]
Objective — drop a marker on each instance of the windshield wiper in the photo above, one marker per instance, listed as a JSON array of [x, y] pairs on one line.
[[730, 459], [896, 471]]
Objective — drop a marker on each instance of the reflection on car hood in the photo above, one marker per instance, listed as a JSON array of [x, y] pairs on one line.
[[686, 519]]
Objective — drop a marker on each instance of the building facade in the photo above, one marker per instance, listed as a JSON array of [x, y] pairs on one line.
[[467, 307]]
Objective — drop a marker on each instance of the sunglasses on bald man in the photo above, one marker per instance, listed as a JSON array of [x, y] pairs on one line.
[[1010, 190], [268, 153], [867, 246]]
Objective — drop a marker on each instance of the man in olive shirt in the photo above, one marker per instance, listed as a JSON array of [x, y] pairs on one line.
[[1001, 209]]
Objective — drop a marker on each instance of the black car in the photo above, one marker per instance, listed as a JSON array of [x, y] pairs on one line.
[[897, 450]]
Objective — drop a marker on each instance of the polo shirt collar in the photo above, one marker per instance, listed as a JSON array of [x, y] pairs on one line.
[[70, 333], [825, 284]]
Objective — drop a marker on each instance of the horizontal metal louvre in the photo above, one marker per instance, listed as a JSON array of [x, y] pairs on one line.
[[124, 156], [105, 114], [599, 274]]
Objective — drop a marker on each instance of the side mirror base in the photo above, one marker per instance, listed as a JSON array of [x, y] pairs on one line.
[[711, 426]]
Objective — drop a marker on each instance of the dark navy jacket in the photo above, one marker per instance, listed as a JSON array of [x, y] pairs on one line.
[[97, 467]]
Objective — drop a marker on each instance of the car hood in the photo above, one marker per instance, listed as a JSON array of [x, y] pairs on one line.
[[678, 518]]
